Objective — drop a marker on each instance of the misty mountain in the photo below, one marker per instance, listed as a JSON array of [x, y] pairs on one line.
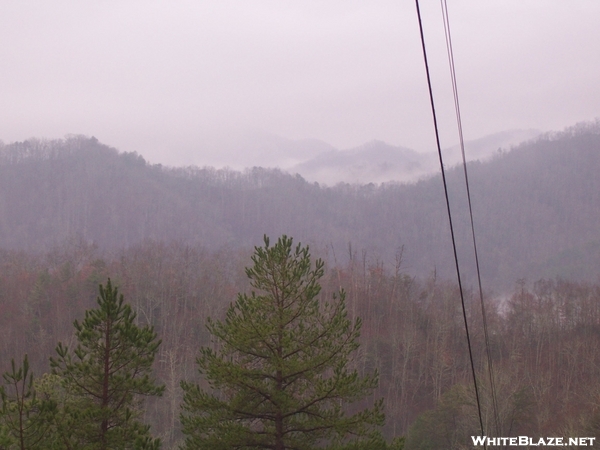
[[485, 147], [242, 150], [536, 207], [373, 162], [378, 162]]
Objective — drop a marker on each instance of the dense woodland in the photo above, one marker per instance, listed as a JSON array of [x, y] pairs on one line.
[[536, 207], [544, 338], [75, 212]]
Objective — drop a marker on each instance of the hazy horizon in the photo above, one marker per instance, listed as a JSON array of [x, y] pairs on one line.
[[176, 81]]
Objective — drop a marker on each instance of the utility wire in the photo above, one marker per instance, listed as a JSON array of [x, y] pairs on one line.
[[450, 52], [439, 149]]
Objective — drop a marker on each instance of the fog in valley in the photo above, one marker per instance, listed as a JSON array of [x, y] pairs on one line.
[[153, 146]]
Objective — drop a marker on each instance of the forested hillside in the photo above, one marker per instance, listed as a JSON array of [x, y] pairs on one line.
[[544, 338], [536, 207], [175, 241]]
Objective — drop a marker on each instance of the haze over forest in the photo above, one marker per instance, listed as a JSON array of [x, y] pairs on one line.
[[76, 211], [535, 205], [200, 127]]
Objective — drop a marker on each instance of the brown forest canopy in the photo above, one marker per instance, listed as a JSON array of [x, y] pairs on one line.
[[544, 337], [536, 207]]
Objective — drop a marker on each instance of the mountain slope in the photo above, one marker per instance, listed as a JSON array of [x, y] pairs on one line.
[[532, 204], [373, 162], [378, 162]]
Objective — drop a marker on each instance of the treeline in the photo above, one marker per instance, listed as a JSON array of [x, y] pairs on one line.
[[536, 207], [277, 375], [543, 338]]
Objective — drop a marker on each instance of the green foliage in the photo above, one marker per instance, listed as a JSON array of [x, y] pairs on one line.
[[448, 426], [104, 378], [25, 419], [397, 443], [280, 377]]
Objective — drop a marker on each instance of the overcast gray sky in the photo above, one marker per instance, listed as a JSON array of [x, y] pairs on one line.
[[167, 78]]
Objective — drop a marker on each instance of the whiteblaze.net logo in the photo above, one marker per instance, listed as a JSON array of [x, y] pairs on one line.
[[526, 441]]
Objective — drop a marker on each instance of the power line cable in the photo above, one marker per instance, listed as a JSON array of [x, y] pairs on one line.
[[439, 149], [450, 52]]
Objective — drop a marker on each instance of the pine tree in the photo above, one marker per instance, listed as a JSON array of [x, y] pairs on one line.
[[106, 376], [26, 421], [280, 377]]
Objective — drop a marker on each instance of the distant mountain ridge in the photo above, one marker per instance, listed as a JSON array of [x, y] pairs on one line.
[[537, 206], [256, 149], [486, 146], [373, 162], [379, 162]]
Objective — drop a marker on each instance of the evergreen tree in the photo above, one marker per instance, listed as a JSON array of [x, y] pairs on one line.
[[105, 377], [26, 421], [280, 378]]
